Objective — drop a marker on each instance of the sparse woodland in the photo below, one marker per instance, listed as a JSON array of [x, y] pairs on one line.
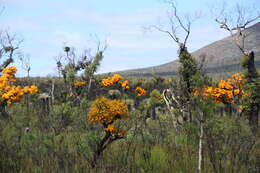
[[83, 122]]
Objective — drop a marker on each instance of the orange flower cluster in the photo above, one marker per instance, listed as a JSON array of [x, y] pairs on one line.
[[79, 83], [226, 91], [140, 91], [111, 128], [111, 81], [125, 84], [8, 75], [11, 93], [116, 78], [104, 110], [106, 82], [114, 130]]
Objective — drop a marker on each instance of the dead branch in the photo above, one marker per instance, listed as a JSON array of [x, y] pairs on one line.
[[237, 30], [9, 45], [176, 24]]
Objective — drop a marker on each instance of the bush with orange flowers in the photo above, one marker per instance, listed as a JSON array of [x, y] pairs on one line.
[[107, 112], [117, 79], [10, 93], [227, 90], [111, 80], [125, 84], [140, 92]]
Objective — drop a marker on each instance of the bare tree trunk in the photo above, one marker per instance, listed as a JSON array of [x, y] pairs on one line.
[[52, 91], [200, 148]]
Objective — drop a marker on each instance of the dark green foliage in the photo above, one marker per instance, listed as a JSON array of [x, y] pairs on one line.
[[251, 87], [187, 70], [94, 65], [244, 61], [156, 99]]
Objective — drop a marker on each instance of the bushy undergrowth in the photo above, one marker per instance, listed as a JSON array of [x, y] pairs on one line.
[[118, 125], [62, 140]]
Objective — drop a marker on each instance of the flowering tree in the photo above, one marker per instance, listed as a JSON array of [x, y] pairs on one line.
[[10, 93], [226, 92], [107, 112]]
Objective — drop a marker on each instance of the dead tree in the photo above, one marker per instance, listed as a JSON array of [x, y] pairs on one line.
[[8, 49], [176, 24], [180, 104], [188, 67], [237, 32]]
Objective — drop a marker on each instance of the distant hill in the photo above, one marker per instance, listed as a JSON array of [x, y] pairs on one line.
[[221, 56]]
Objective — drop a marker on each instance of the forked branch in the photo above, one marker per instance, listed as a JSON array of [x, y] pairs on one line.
[[177, 24], [236, 31]]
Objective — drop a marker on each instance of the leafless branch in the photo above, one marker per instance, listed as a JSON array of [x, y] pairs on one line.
[[241, 22], [25, 60], [171, 34], [176, 24], [9, 44]]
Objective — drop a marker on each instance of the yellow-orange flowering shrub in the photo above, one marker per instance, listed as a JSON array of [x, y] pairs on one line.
[[9, 92], [79, 83], [111, 81], [125, 84], [106, 82], [226, 91], [117, 79], [140, 91], [106, 111]]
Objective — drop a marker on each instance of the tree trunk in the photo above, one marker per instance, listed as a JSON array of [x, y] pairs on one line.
[[252, 77], [3, 112], [100, 149], [252, 73], [52, 91], [200, 148]]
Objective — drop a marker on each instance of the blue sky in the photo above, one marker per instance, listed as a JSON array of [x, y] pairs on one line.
[[46, 25]]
